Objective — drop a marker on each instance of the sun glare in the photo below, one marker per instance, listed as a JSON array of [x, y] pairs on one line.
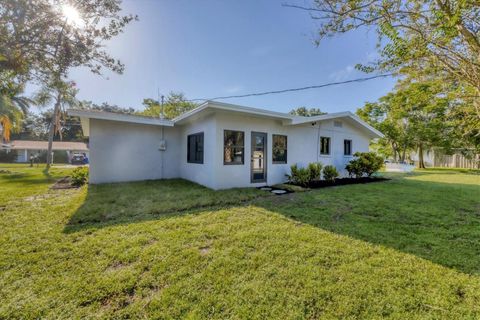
[[72, 15]]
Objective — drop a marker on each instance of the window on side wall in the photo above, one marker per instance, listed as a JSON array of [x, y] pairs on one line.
[[195, 148], [279, 148], [347, 147], [233, 147], [325, 145]]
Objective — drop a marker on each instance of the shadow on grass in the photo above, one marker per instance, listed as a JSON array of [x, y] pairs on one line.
[[435, 221], [123, 203]]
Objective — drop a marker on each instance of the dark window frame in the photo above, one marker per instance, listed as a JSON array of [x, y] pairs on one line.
[[350, 147], [236, 146], [196, 158], [286, 149], [329, 146]]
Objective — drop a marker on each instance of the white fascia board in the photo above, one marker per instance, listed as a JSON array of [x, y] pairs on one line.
[[234, 108], [190, 113], [374, 131], [88, 114], [347, 114], [85, 126]]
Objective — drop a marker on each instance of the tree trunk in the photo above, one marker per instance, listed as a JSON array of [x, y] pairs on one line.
[[421, 164], [51, 131], [394, 152], [404, 151]]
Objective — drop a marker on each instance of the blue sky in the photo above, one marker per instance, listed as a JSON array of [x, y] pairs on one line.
[[222, 47]]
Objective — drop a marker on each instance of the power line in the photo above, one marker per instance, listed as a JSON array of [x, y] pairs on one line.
[[295, 89]]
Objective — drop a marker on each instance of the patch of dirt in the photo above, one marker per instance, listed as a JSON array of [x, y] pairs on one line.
[[63, 183], [150, 242], [117, 265], [5, 171], [204, 250], [39, 197], [285, 198]]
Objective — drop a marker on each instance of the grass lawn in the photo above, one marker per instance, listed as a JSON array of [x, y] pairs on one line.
[[406, 248]]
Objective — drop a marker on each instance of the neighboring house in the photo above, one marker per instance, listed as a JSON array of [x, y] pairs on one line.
[[219, 145], [437, 157], [26, 148]]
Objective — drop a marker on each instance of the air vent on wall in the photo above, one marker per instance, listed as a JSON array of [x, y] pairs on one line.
[[337, 124]]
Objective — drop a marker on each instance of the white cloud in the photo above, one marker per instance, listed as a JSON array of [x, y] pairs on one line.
[[342, 74]]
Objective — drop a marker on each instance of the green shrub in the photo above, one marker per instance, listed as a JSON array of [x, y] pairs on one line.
[[8, 157], [79, 176], [60, 156], [365, 163], [330, 173], [314, 171], [304, 176]]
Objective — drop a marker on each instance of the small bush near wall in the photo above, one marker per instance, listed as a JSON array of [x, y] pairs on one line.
[[8, 157], [79, 176], [330, 173], [364, 164], [314, 171], [304, 176]]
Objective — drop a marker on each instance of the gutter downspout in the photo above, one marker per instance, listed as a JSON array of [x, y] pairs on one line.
[[318, 142], [162, 116]]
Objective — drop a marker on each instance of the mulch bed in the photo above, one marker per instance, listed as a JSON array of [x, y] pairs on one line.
[[64, 183], [344, 181]]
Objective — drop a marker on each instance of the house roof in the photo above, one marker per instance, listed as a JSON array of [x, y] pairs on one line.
[[214, 105], [209, 106], [286, 118], [43, 145], [336, 115]]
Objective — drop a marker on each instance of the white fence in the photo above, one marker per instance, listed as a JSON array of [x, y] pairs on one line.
[[399, 167]]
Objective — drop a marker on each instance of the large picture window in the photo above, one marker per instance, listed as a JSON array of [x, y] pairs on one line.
[[279, 148], [195, 148], [325, 145], [347, 147], [233, 147]]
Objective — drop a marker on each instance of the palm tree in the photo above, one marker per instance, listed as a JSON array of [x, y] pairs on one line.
[[12, 112], [62, 95]]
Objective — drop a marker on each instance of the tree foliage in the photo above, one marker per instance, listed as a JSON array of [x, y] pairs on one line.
[[105, 107], [13, 106], [175, 104], [416, 116], [423, 39], [38, 39], [306, 112]]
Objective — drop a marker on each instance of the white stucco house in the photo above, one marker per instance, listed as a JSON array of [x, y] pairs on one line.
[[219, 145]]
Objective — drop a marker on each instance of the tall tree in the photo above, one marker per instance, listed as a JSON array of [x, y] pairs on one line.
[[63, 96], [414, 117], [423, 39], [305, 112], [52, 37], [174, 105]]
